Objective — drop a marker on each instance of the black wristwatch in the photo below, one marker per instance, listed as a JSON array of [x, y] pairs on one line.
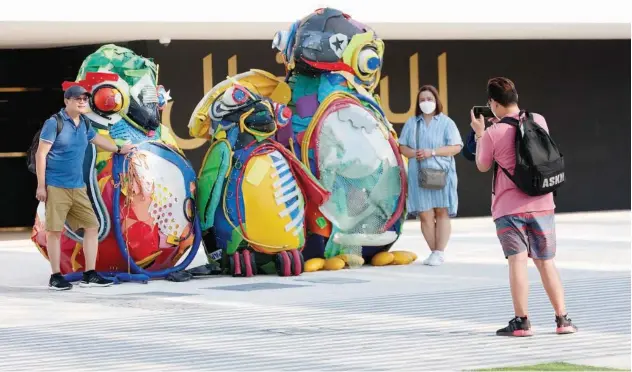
[[118, 149]]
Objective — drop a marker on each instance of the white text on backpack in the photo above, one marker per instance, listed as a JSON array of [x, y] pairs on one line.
[[552, 181]]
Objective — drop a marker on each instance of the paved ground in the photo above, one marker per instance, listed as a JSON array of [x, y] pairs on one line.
[[395, 318]]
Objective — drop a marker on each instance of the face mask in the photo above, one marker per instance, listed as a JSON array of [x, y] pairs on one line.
[[427, 107]]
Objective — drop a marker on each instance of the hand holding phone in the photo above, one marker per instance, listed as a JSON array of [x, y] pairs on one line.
[[478, 121], [482, 110]]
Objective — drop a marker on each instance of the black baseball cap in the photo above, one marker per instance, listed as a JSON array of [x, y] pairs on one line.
[[75, 91]]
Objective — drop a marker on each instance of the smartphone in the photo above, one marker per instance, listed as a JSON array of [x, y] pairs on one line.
[[482, 110]]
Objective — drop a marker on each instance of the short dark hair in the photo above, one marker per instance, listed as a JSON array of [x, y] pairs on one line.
[[435, 93], [502, 90]]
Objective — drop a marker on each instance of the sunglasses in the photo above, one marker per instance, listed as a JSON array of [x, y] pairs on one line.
[[85, 99]]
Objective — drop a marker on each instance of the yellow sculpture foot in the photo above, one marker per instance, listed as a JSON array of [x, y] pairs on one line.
[[393, 258], [314, 264], [352, 260], [335, 263], [403, 257], [382, 259]]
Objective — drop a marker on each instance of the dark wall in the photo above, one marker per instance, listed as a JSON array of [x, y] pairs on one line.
[[581, 87], [37, 74]]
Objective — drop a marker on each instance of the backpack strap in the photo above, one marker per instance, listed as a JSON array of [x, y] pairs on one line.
[[87, 121], [496, 166], [514, 123], [511, 121], [60, 123]]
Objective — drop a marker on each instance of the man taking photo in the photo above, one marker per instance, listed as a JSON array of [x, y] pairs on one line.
[[60, 184], [525, 224]]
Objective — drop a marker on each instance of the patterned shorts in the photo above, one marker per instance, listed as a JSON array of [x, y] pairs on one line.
[[533, 232]]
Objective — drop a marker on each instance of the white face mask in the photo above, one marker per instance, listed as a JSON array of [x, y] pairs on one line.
[[427, 107]]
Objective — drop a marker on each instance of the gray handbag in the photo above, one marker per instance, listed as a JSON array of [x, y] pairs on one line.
[[429, 178]]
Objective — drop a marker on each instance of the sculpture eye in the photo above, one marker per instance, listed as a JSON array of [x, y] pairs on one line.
[[239, 96], [107, 99], [368, 61], [235, 96], [283, 114]]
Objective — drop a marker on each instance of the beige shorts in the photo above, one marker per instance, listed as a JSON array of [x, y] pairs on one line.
[[70, 205]]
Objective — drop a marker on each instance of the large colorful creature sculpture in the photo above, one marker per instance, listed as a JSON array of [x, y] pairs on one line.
[[253, 192], [145, 200], [333, 66]]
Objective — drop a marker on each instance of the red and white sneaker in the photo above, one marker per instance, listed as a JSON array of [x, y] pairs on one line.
[[564, 325], [518, 327]]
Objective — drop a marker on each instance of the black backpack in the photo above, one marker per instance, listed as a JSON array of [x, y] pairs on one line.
[[32, 151], [539, 166]]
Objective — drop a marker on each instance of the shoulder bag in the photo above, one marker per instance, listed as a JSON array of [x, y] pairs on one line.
[[428, 178]]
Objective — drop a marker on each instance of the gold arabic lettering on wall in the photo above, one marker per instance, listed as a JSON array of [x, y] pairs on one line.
[[393, 117]]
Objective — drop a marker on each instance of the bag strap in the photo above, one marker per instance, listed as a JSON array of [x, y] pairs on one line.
[[511, 121], [87, 121], [417, 143], [60, 123], [509, 175], [514, 123], [417, 148]]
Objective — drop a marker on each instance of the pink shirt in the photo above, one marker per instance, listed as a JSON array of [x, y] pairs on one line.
[[498, 143]]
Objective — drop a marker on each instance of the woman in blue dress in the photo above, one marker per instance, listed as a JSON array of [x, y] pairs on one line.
[[430, 139]]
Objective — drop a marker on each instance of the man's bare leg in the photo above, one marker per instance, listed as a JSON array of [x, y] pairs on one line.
[[552, 284], [90, 247], [53, 248], [519, 282]]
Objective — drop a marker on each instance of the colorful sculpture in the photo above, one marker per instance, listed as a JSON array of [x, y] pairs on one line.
[[333, 66], [253, 192], [144, 201]]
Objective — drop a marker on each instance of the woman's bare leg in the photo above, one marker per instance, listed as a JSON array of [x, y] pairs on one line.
[[428, 228], [443, 229]]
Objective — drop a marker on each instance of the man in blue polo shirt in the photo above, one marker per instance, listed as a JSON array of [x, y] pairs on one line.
[[60, 184]]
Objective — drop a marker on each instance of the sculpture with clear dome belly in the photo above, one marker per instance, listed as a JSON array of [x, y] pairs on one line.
[[339, 130]]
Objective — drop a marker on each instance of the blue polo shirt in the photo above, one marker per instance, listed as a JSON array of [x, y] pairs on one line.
[[64, 163]]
